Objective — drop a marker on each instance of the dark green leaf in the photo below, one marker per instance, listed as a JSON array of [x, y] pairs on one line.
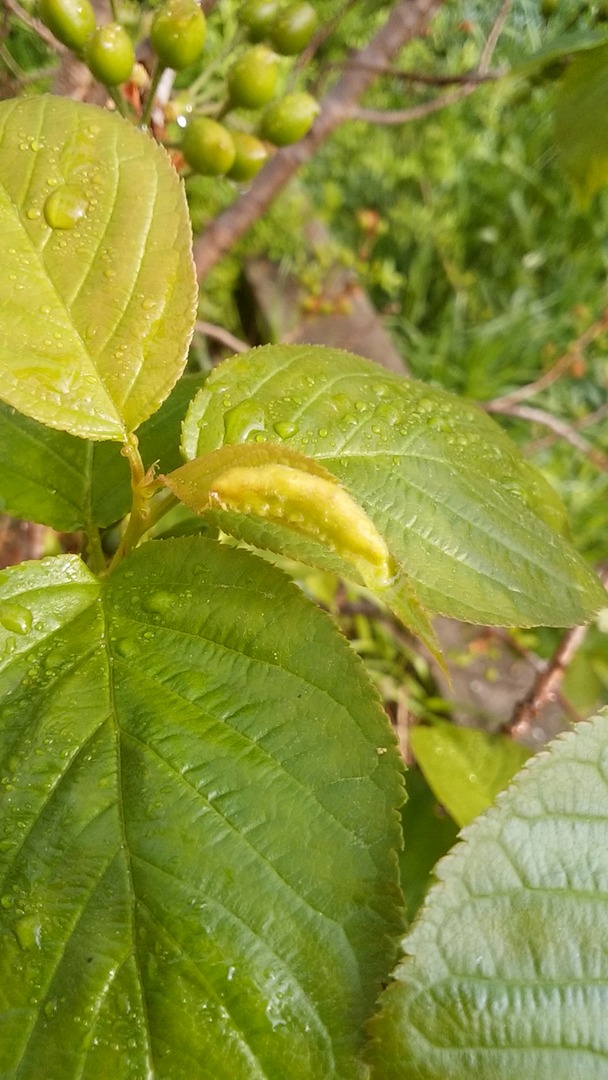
[[68, 483], [198, 869], [506, 970], [429, 832]]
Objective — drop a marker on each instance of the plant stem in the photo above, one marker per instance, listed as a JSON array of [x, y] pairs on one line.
[[95, 555], [149, 503], [114, 8], [118, 100], [149, 103]]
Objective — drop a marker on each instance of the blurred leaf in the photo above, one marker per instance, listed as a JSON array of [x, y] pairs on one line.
[[581, 122], [465, 768], [505, 973]]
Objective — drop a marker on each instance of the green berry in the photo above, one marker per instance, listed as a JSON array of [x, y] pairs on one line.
[[253, 78], [208, 147], [289, 119], [110, 55], [293, 29], [178, 33], [257, 16], [251, 155], [71, 21]]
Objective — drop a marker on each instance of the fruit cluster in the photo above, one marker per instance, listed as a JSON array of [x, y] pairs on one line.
[[273, 32], [177, 36]]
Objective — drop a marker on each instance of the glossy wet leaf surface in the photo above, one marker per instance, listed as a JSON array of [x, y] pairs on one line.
[[465, 517], [506, 971], [98, 293], [199, 800]]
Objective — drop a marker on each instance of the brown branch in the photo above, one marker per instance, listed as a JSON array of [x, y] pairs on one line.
[[431, 80], [418, 112], [561, 428], [546, 686], [555, 372], [406, 21], [579, 424], [218, 332]]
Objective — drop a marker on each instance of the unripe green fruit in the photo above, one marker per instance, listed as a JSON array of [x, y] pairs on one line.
[[251, 155], [253, 78], [293, 29], [208, 147], [257, 16], [109, 54], [71, 21], [289, 119], [178, 33]]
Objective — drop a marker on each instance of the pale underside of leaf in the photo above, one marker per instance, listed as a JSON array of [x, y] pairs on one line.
[[96, 318], [197, 867], [470, 522], [506, 972]]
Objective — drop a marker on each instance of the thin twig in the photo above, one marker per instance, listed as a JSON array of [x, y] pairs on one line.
[[579, 424], [218, 332], [561, 428], [548, 682], [492, 39], [34, 24], [555, 372], [429, 80], [418, 112]]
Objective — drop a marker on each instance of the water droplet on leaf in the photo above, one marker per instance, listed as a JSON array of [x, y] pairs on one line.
[[15, 618], [285, 429], [242, 420], [65, 207]]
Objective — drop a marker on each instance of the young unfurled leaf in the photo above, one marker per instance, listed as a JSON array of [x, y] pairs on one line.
[[98, 287], [285, 487]]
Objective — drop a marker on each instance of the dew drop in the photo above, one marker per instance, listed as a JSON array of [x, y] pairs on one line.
[[15, 618], [33, 214], [285, 429], [65, 207], [159, 602], [126, 647], [242, 420], [148, 305], [27, 932]]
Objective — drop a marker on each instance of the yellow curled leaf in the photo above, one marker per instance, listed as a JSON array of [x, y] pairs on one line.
[[288, 489], [319, 508]]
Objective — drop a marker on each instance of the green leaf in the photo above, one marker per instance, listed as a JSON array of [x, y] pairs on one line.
[[464, 516], [429, 833], [96, 317], [69, 483], [198, 856], [581, 122], [466, 768], [505, 974]]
